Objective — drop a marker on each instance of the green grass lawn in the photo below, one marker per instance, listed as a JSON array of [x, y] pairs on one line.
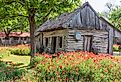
[[23, 60]]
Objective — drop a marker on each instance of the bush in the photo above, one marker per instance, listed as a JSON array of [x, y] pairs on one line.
[[4, 53], [116, 48], [16, 50], [77, 67], [9, 72], [20, 50]]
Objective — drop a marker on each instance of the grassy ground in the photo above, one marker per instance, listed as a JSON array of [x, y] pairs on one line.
[[22, 60]]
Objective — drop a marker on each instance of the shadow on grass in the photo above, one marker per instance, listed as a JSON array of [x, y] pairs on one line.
[[10, 72], [18, 65]]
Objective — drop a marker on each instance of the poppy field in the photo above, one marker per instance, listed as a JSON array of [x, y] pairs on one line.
[[76, 67]]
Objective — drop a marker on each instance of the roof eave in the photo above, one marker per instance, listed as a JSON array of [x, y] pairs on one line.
[[110, 24]]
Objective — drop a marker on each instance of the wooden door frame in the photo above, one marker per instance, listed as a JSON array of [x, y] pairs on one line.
[[90, 49]]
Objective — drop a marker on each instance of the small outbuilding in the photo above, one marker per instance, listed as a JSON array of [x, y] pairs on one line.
[[81, 29], [14, 38]]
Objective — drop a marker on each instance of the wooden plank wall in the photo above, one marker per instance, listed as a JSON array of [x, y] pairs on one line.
[[111, 32], [100, 40], [86, 18], [72, 44]]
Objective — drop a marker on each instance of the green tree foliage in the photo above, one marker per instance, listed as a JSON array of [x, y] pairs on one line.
[[10, 18], [13, 24], [115, 17], [113, 14], [36, 12]]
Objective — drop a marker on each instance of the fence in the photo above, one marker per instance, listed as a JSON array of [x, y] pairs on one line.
[[13, 42]]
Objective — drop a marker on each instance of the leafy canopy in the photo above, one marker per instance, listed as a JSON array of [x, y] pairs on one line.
[[115, 17], [12, 12], [113, 14]]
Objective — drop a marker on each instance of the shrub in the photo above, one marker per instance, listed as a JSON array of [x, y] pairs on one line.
[[16, 50], [20, 50], [76, 67], [116, 48], [9, 72]]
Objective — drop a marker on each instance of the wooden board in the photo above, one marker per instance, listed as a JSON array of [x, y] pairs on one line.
[[99, 41]]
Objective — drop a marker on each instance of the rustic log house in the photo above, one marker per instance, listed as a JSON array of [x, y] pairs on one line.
[[81, 29]]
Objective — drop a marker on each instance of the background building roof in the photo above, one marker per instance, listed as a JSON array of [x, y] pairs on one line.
[[16, 34]]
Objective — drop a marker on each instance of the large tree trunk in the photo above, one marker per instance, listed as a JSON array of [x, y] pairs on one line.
[[7, 38], [7, 32], [31, 19]]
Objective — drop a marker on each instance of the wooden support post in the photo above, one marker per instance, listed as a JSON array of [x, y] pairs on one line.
[[57, 45]]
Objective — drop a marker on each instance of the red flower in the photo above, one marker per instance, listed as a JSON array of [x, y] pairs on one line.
[[95, 60], [110, 66], [36, 54], [60, 67]]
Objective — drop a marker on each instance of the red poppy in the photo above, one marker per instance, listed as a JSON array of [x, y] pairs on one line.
[[60, 67]]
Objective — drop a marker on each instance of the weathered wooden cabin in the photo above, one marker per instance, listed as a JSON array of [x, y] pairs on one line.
[[81, 29]]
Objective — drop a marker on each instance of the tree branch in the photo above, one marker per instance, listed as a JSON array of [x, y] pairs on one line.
[[44, 18], [23, 15], [23, 4], [5, 31], [48, 13], [8, 3], [12, 16]]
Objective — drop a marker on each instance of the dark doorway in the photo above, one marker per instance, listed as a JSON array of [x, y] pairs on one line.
[[46, 42], [87, 43], [54, 44], [60, 42]]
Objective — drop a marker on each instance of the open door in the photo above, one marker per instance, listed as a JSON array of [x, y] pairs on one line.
[[53, 46], [87, 43]]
